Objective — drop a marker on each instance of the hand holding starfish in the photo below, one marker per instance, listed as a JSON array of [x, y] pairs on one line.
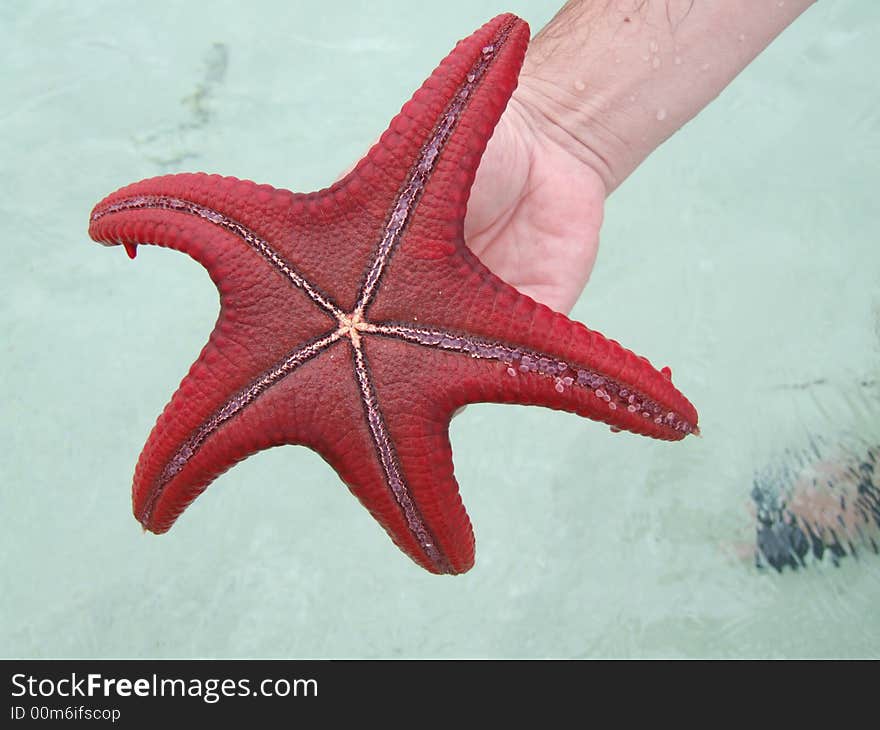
[[355, 321], [602, 85]]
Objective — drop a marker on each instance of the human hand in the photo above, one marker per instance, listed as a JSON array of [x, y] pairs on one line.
[[535, 210], [602, 85]]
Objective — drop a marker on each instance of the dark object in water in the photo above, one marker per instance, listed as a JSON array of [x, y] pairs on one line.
[[817, 508]]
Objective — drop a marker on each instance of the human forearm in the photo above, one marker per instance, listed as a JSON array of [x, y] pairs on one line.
[[610, 80]]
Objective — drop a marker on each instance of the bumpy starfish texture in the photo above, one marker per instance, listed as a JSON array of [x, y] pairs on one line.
[[355, 320]]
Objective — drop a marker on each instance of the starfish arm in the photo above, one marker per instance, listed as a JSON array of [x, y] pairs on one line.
[[435, 143], [195, 440], [195, 205], [410, 427], [519, 351]]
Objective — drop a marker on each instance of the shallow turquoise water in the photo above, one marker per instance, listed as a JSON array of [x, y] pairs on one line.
[[742, 253]]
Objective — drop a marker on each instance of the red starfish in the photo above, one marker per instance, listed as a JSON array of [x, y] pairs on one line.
[[355, 320]]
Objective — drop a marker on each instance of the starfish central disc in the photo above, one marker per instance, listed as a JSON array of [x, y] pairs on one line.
[[351, 326]]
